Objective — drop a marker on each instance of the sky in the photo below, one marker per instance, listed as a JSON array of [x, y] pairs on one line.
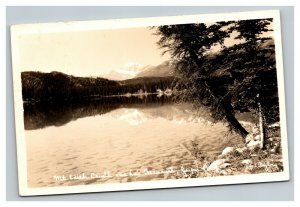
[[90, 53]]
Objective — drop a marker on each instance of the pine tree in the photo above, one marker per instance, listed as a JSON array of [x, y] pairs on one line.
[[226, 81]]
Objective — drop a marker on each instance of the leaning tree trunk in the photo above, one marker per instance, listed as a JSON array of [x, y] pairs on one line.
[[233, 122], [226, 106]]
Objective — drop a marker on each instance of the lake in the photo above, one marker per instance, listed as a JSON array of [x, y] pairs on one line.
[[115, 140]]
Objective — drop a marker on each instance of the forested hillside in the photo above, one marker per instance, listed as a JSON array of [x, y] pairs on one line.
[[57, 86]]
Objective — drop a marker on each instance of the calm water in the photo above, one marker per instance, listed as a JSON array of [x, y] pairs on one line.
[[104, 140]]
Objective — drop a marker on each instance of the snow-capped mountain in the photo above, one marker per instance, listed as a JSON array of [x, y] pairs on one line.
[[133, 70], [128, 71]]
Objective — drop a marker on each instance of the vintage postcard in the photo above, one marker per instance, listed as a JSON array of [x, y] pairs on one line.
[[127, 104]]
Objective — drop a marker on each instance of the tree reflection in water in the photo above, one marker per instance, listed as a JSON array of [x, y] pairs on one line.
[[40, 115]]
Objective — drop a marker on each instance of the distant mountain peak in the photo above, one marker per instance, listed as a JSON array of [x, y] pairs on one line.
[[128, 71], [162, 70], [134, 70]]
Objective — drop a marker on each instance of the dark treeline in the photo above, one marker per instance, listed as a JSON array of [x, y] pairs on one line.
[[57, 86], [149, 84], [43, 114]]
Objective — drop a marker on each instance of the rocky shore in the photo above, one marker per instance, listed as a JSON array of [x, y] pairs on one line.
[[249, 158]]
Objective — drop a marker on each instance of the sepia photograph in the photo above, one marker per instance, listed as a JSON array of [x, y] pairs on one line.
[[159, 102]]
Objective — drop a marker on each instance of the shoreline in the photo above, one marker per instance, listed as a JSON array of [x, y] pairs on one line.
[[247, 159]]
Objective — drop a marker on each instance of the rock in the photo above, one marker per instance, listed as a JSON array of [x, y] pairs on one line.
[[217, 165], [249, 137], [227, 150], [223, 172], [253, 144], [224, 165], [247, 161], [256, 138], [241, 150]]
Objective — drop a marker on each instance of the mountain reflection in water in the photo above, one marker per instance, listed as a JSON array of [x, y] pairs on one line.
[[134, 110]]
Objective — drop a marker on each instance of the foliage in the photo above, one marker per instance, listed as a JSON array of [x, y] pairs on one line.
[[228, 80]]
